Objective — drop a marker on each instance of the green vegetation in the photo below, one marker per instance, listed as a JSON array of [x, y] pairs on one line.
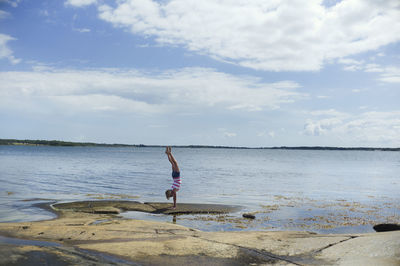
[[91, 144]]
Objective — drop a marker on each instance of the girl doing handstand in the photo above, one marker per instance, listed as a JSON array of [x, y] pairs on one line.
[[176, 176]]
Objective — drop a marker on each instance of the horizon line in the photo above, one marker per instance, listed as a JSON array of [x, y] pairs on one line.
[[78, 143]]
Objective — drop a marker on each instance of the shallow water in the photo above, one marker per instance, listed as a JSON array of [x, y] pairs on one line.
[[320, 191], [23, 242]]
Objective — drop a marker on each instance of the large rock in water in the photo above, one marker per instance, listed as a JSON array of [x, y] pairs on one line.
[[386, 227], [116, 206]]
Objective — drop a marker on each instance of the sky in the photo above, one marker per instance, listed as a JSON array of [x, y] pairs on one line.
[[251, 73]]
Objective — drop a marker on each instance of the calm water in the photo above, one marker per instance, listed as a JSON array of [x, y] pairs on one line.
[[320, 191]]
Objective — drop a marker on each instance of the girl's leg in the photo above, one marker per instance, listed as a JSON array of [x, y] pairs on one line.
[[172, 160]]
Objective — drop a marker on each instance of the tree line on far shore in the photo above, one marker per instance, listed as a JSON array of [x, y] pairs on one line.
[[92, 144], [58, 143]]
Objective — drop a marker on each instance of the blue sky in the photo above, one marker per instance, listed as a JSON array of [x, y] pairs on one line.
[[238, 73]]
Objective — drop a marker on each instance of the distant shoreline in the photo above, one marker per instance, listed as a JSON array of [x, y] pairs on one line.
[[27, 142]]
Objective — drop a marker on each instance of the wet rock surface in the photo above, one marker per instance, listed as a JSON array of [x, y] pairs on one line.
[[80, 234]]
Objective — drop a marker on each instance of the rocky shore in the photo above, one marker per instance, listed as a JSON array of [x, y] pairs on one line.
[[92, 233]]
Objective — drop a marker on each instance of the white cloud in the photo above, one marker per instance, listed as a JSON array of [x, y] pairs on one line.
[[351, 64], [261, 134], [5, 52], [349, 61], [44, 13], [264, 133], [359, 90], [102, 102], [329, 112], [267, 35], [83, 30], [271, 134], [226, 133], [229, 134], [390, 75], [321, 127], [364, 129], [80, 3], [352, 68], [323, 96], [4, 14], [375, 127], [133, 91], [13, 3], [312, 128], [373, 68]]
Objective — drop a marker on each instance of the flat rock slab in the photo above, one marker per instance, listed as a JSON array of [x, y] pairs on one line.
[[116, 206], [74, 233], [192, 208]]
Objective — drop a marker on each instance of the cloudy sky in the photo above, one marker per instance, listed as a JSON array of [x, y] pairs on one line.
[[229, 72]]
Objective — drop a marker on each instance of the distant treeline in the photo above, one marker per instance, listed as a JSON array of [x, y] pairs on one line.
[[336, 148], [298, 148], [91, 144], [58, 143]]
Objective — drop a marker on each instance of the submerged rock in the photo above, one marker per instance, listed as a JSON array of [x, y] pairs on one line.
[[116, 206], [106, 210]]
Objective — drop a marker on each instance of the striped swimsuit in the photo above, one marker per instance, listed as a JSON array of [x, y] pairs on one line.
[[177, 180]]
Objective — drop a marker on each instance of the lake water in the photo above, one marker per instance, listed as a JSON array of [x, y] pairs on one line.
[[319, 191]]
